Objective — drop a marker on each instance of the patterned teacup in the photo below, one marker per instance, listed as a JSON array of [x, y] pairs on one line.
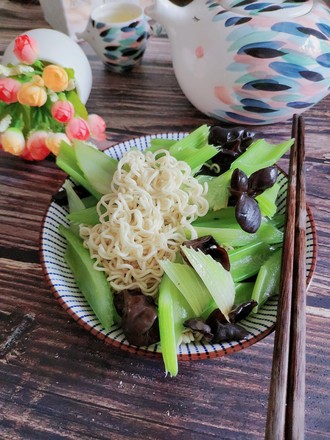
[[118, 32]]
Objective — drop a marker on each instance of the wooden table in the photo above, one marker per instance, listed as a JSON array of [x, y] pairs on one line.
[[57, 381]]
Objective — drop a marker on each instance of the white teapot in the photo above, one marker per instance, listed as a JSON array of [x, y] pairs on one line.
[[249, 61]]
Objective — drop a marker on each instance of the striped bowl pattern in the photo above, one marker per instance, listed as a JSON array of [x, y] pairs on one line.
[[63, 286]]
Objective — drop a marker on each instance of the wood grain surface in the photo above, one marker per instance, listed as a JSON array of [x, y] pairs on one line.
[[57, 381]]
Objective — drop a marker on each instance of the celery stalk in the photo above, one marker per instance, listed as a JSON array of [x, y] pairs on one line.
[[89, 201], [267, 201], [160, 144], [243, 292], [190, 285], [196, 139], [87, 216], [97, 167], [278, 220], [173, 310], [92, 283], [268, 280], [66, 160], [226, 236], [75, 203], [218, 191], [217, 279], [246, 261], [260, 154], [196, 158]]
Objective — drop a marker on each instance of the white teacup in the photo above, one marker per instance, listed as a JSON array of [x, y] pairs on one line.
[[118, 32]]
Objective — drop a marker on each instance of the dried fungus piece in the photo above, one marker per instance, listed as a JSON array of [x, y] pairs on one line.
[[242, 311], [232, 142], [239, 182], [199, 325], [261, 180], [248, 214], [139, 317], [229, 332], [209, 246]]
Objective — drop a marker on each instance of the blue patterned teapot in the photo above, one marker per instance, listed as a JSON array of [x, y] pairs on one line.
[[249, 61]]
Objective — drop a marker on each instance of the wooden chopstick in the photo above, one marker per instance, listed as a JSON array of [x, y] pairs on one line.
[[285, 417]]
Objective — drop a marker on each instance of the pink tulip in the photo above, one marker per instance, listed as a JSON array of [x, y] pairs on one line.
[[36, 148], [12, 141], [62, 111], [26, 49], [8, 90], [77, 128], [97, 127]]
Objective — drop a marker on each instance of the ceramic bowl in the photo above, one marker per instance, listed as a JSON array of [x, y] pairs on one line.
[[62, 284]]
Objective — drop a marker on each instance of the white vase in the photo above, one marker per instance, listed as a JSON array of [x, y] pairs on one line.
[[58, 48]]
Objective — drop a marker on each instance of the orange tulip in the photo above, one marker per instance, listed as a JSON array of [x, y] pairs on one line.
[[32, 93], [55, 78]]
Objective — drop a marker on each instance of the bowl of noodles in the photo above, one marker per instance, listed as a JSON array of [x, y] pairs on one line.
[[62, 283]]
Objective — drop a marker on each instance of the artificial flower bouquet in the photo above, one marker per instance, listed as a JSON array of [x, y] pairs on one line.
[[40, 106]]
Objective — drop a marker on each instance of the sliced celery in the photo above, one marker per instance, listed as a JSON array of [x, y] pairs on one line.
[[246, 261], [268, 280], [233, 235], [160, 144], [196, 139], [74, 202], [212, 305], [217, 279], [278, 220], [173, 310], [92, 283], [89, 201], [218, 191], [243, 292], [226, 236], [260, 154], [97, 167], [189, 283], [66, 160], [197, 157], [87, 216], [223, 218], [267, 201]]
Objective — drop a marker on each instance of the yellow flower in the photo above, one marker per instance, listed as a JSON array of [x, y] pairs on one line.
[[53, 142], [32, 93], [12, 141], [55, 78]]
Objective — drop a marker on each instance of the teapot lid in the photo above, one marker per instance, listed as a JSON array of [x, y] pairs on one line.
[[291, 8]]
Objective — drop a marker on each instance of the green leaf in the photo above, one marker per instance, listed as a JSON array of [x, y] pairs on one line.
[[80, 109]]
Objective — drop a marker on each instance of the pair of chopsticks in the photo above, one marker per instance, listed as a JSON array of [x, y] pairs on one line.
[[286, 404]]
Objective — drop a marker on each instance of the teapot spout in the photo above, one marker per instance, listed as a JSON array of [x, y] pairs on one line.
[[163, 11]]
